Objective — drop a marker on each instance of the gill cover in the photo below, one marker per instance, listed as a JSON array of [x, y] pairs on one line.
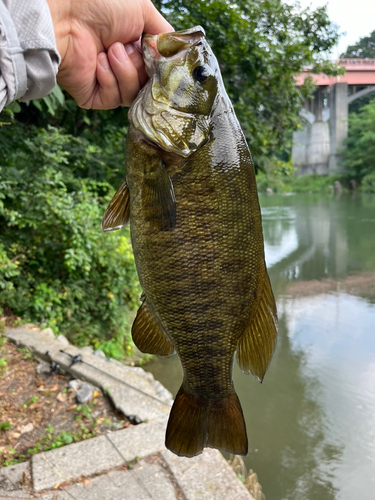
[[173, 110]]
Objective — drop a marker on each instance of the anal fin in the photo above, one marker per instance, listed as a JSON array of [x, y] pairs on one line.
[[117, 214], [148, 336], [257, 344]]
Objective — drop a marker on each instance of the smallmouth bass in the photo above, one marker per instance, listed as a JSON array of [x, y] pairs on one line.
[[191, 198]]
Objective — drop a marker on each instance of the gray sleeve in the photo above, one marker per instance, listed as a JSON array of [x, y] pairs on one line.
[[28, 55]]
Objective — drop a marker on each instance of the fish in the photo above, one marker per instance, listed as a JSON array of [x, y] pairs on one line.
[[195, 223]]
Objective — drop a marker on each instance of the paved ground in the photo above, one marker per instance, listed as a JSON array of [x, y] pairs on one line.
[[132, 463]]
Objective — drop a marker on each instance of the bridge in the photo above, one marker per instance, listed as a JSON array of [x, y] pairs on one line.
[[316, 147]]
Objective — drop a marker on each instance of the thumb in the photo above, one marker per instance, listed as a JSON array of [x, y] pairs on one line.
[[154, 22]]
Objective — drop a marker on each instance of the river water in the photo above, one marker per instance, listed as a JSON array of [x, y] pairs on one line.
[[311, 424]]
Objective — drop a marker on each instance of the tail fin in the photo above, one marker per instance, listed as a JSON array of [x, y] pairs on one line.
[[195, 423]]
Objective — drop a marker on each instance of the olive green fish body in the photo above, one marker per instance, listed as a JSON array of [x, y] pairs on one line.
[[198, 245]]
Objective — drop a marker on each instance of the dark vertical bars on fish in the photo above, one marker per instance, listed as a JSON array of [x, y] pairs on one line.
[[191, 197]]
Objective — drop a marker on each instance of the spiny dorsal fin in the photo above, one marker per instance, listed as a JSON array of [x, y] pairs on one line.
[[117, 214], [147, 335], [257, 344], [158, 198]]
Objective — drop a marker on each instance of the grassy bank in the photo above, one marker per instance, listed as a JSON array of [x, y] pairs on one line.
[[303, 184]]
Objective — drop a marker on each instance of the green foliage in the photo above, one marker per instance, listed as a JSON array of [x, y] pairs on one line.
[[3, 366], [261, 46], [360, 145], [302, 184], [30, 401], [5, 425], [365, 47], [56, 266], [368, 183]]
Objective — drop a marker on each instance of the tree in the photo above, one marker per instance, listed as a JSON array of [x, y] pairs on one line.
[[261, 46], [365, 47], [360, 145]]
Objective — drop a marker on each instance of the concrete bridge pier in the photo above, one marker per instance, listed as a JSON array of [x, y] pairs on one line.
[[317, 150], [311, 147], [338, 124]]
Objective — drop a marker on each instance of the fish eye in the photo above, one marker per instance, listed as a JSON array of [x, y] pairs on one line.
[[201, 74]]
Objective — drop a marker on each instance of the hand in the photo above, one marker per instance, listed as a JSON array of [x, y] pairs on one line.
[[98, 41]]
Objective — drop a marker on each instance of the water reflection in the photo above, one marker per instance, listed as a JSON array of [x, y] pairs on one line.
[[287, 426], [311, 424]]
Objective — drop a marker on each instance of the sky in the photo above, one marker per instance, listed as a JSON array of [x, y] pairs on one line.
[[355, 17]]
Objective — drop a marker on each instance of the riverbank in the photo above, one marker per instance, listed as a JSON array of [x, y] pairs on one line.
[[313, 183], [303, 184]]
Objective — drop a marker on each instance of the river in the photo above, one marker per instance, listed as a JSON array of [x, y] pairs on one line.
[[311, 424]]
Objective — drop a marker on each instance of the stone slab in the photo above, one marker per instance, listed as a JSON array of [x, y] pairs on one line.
[[155, 481], [131, 402], [206, 477], [70, 462], [116, 485], [141, 440], [11, 479]]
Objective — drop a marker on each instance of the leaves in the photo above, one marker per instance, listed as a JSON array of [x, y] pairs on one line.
[[57, 268], [365, 47], [360, 145]]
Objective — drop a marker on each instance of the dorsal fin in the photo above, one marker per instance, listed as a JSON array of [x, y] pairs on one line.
[[148, 336], [257, 344], [117, 214]]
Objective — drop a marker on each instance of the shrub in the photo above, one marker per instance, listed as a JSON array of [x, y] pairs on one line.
[[368, 183], [360, 151], [56, 266]]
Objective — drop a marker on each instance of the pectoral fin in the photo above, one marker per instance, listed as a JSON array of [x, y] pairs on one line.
[[257, 344], [147, 335], [158, 198], [117, 214]]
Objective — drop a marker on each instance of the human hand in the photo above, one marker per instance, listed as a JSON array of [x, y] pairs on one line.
[[101, 62]]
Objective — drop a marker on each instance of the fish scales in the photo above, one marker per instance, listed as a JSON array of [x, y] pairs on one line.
[[197, 240]]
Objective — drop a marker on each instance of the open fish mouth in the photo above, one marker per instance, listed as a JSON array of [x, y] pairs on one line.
[[172, 46]]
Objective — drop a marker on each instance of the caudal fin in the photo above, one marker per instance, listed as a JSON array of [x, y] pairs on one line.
[[195, 423]]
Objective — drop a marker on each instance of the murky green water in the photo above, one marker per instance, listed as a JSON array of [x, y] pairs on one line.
[[311, 424]]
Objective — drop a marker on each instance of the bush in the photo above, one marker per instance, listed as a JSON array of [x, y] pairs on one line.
[[368, 183], [57, 268], [359, 155]]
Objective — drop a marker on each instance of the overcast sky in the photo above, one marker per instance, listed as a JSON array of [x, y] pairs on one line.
[[355, 17]]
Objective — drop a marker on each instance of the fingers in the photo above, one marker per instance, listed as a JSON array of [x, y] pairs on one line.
[[106, 94], [120, 75], [128, 67]]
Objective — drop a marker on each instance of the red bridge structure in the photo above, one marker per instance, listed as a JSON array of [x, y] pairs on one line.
[[316, 148]]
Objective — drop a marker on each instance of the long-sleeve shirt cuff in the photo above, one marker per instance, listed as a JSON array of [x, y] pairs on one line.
[[28, 55]]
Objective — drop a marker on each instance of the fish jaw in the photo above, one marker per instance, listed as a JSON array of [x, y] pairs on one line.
[[173, 46]]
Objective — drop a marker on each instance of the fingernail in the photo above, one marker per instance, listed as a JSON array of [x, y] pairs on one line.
[[103, 61], [129, 47], [119, 52]]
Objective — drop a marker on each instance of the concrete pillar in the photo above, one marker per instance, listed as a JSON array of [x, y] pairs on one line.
[[300, 139], [317, 150], [338, 124]]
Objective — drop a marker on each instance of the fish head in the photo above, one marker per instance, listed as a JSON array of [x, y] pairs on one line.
[[174, 109]]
